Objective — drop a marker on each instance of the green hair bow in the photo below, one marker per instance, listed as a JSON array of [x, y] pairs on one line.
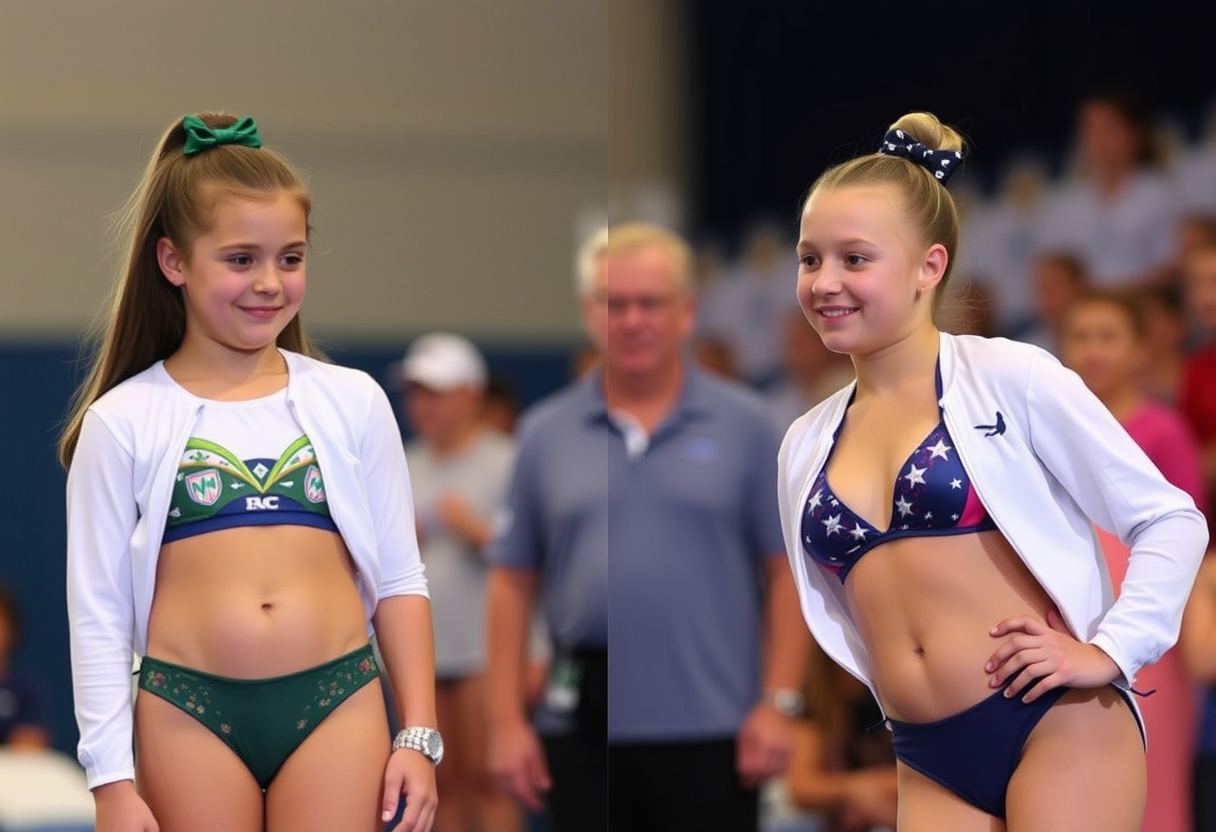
[[199, 136]]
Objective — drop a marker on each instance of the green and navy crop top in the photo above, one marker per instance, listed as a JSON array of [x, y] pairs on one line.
[[223, 483], [933, 496]]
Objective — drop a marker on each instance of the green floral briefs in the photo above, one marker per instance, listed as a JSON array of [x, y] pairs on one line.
[[262, 720]]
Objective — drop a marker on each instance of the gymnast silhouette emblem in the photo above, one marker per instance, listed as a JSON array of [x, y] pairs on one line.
[[994, 429]]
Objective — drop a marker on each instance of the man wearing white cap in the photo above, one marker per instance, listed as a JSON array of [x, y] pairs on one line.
[[459, 470]]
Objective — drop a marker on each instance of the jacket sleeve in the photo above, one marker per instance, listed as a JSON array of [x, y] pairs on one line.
[[391, 501], [1112, 480], [783, 498], [101, 519]]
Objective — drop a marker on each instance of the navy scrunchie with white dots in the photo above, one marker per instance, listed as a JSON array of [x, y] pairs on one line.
[[940, 163]]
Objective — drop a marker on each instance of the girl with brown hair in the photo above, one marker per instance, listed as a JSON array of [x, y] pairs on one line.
[[239, 518]]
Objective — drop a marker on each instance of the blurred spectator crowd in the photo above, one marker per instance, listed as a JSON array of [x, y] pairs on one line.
[[1123, 207]]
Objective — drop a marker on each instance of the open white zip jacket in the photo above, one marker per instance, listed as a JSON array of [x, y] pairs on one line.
[[1046, 458], [119, 488]]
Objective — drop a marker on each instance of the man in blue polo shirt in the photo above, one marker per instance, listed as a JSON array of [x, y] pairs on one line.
[[643, 509]]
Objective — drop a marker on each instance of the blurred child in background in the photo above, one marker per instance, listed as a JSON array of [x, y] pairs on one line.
[[1198, 397], [1165, 342], [1102, 337], [22, 698], [1197, 400], [1057, 277], [810, 372], [843, 767], [1120, 211], [500, 404]]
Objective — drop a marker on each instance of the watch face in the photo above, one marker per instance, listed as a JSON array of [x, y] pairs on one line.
[[434, 745], [788, 702]]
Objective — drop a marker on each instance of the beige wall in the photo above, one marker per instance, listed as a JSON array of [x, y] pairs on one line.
[[649, 155], [453, 148]]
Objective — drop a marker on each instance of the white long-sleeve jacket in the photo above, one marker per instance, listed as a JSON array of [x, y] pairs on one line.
[[118, 494], [1046, 458]]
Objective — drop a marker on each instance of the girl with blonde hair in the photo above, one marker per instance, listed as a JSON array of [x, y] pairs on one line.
[[938, 515]]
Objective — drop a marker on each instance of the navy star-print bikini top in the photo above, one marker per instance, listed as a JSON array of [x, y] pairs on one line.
[[933, 496]]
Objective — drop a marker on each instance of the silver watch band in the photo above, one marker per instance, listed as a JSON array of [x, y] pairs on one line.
[[425, 740]]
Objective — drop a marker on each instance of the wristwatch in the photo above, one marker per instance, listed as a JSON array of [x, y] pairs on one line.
[[786, 701], [426, 741]]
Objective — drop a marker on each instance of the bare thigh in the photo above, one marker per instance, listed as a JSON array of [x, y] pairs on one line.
[[470, 708], [455, 779], [1082, 770], [190, 779], [928, 806], [335, 779], [488, 805]]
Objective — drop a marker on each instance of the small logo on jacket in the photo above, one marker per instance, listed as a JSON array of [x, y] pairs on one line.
[[995, 429]]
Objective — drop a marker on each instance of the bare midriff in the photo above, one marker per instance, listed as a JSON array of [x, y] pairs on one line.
[[924, 607], [255, 602]]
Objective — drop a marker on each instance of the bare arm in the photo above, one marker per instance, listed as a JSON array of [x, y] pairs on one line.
[[865, 796], [403, 632], [510, 594], [787, 642], [516, 759], [811, 785], [458, 516], [764, 737], [1208, 460], [407, 645], [1197, 640]]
